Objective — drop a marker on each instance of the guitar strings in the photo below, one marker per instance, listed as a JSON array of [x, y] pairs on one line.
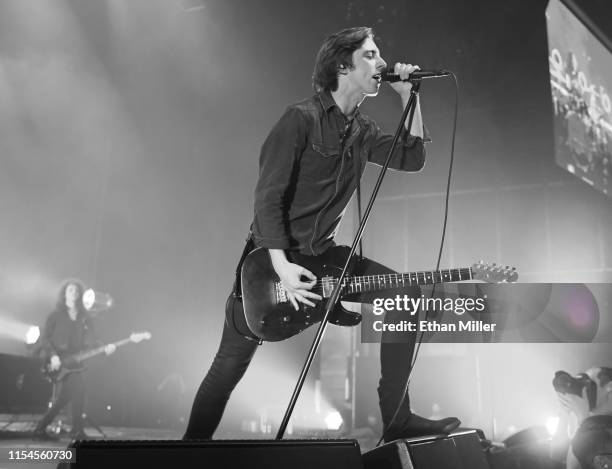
[[378, 280]]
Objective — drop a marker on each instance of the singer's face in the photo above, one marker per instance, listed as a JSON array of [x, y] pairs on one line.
[[367, 62]]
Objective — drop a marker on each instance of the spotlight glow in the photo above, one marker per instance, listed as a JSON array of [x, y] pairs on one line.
[[14, 329], [552, 423], [333, 420], [32, 335], [89, 298], [96, 301]]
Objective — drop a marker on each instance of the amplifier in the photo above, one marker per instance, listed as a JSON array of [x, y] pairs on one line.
[[460, 450]]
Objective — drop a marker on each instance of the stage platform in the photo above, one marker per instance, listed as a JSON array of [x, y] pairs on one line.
[[19, 435]]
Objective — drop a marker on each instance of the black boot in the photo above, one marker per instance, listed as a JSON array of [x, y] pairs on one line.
[[416, 426]]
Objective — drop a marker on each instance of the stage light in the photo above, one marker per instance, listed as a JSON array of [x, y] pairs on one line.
[[95, 301], [552, 423], [32, 335], [333, 420], [15, 330]]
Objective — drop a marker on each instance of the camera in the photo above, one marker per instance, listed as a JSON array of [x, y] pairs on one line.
[[565, 383]]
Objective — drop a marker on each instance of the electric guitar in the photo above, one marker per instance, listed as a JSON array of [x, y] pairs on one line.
[[72, 363], [270, 315]]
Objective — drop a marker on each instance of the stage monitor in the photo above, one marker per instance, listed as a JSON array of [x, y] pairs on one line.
[[580, 61]]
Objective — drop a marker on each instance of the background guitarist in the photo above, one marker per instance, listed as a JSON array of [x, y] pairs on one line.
[[309, 168], [68, 330]]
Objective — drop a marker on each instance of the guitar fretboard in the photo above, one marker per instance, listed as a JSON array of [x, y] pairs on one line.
[[97, 351], [369, 283]]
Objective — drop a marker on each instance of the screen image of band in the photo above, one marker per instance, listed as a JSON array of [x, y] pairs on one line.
[[306, 234], [580, 71]]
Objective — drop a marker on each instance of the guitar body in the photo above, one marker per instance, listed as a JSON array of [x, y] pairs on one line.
[[268, 313], [68, 367]]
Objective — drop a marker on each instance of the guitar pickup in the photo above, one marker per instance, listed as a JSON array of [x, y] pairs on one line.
[[280, 293], [328, 283]]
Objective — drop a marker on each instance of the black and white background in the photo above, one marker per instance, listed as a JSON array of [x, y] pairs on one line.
[[129, 144]]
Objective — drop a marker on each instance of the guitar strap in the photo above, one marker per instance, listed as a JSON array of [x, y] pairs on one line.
[[248, 247], [234, 312]]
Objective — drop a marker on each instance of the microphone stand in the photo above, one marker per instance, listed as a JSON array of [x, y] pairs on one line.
[[335, 296]]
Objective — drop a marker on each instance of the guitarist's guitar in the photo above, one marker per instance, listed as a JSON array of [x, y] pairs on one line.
[[73, 363], [270, 315]]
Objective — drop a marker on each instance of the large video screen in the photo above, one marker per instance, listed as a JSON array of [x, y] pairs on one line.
[[581, 83]]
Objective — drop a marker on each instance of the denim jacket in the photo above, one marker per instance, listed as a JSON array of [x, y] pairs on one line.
[[308, 171]]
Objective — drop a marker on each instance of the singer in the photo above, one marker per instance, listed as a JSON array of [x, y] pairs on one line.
[[309, 168]]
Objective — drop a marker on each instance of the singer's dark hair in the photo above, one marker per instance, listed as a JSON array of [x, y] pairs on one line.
[[335, 53], [61, 297]]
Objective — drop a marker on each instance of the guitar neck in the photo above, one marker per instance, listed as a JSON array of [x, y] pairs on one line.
[[370, 283], [97, 351]]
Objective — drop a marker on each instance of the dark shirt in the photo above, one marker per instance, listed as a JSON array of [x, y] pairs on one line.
[[63, 336], [309, 168]]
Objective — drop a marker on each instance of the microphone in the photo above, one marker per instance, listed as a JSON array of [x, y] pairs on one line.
[[391, 77]]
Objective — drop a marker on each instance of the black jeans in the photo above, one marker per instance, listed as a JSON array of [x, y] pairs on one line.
[[71, 389], [235, 353]]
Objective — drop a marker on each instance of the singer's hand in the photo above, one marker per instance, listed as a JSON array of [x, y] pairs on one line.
[[290, 276], [404, 71]]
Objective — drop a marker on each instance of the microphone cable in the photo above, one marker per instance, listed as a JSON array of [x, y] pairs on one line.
[[444, 224]]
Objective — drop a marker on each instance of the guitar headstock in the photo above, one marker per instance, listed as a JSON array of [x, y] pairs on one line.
[[493, 273], [139, 336]]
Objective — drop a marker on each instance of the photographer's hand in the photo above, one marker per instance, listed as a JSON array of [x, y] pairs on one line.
[[577, 405]]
